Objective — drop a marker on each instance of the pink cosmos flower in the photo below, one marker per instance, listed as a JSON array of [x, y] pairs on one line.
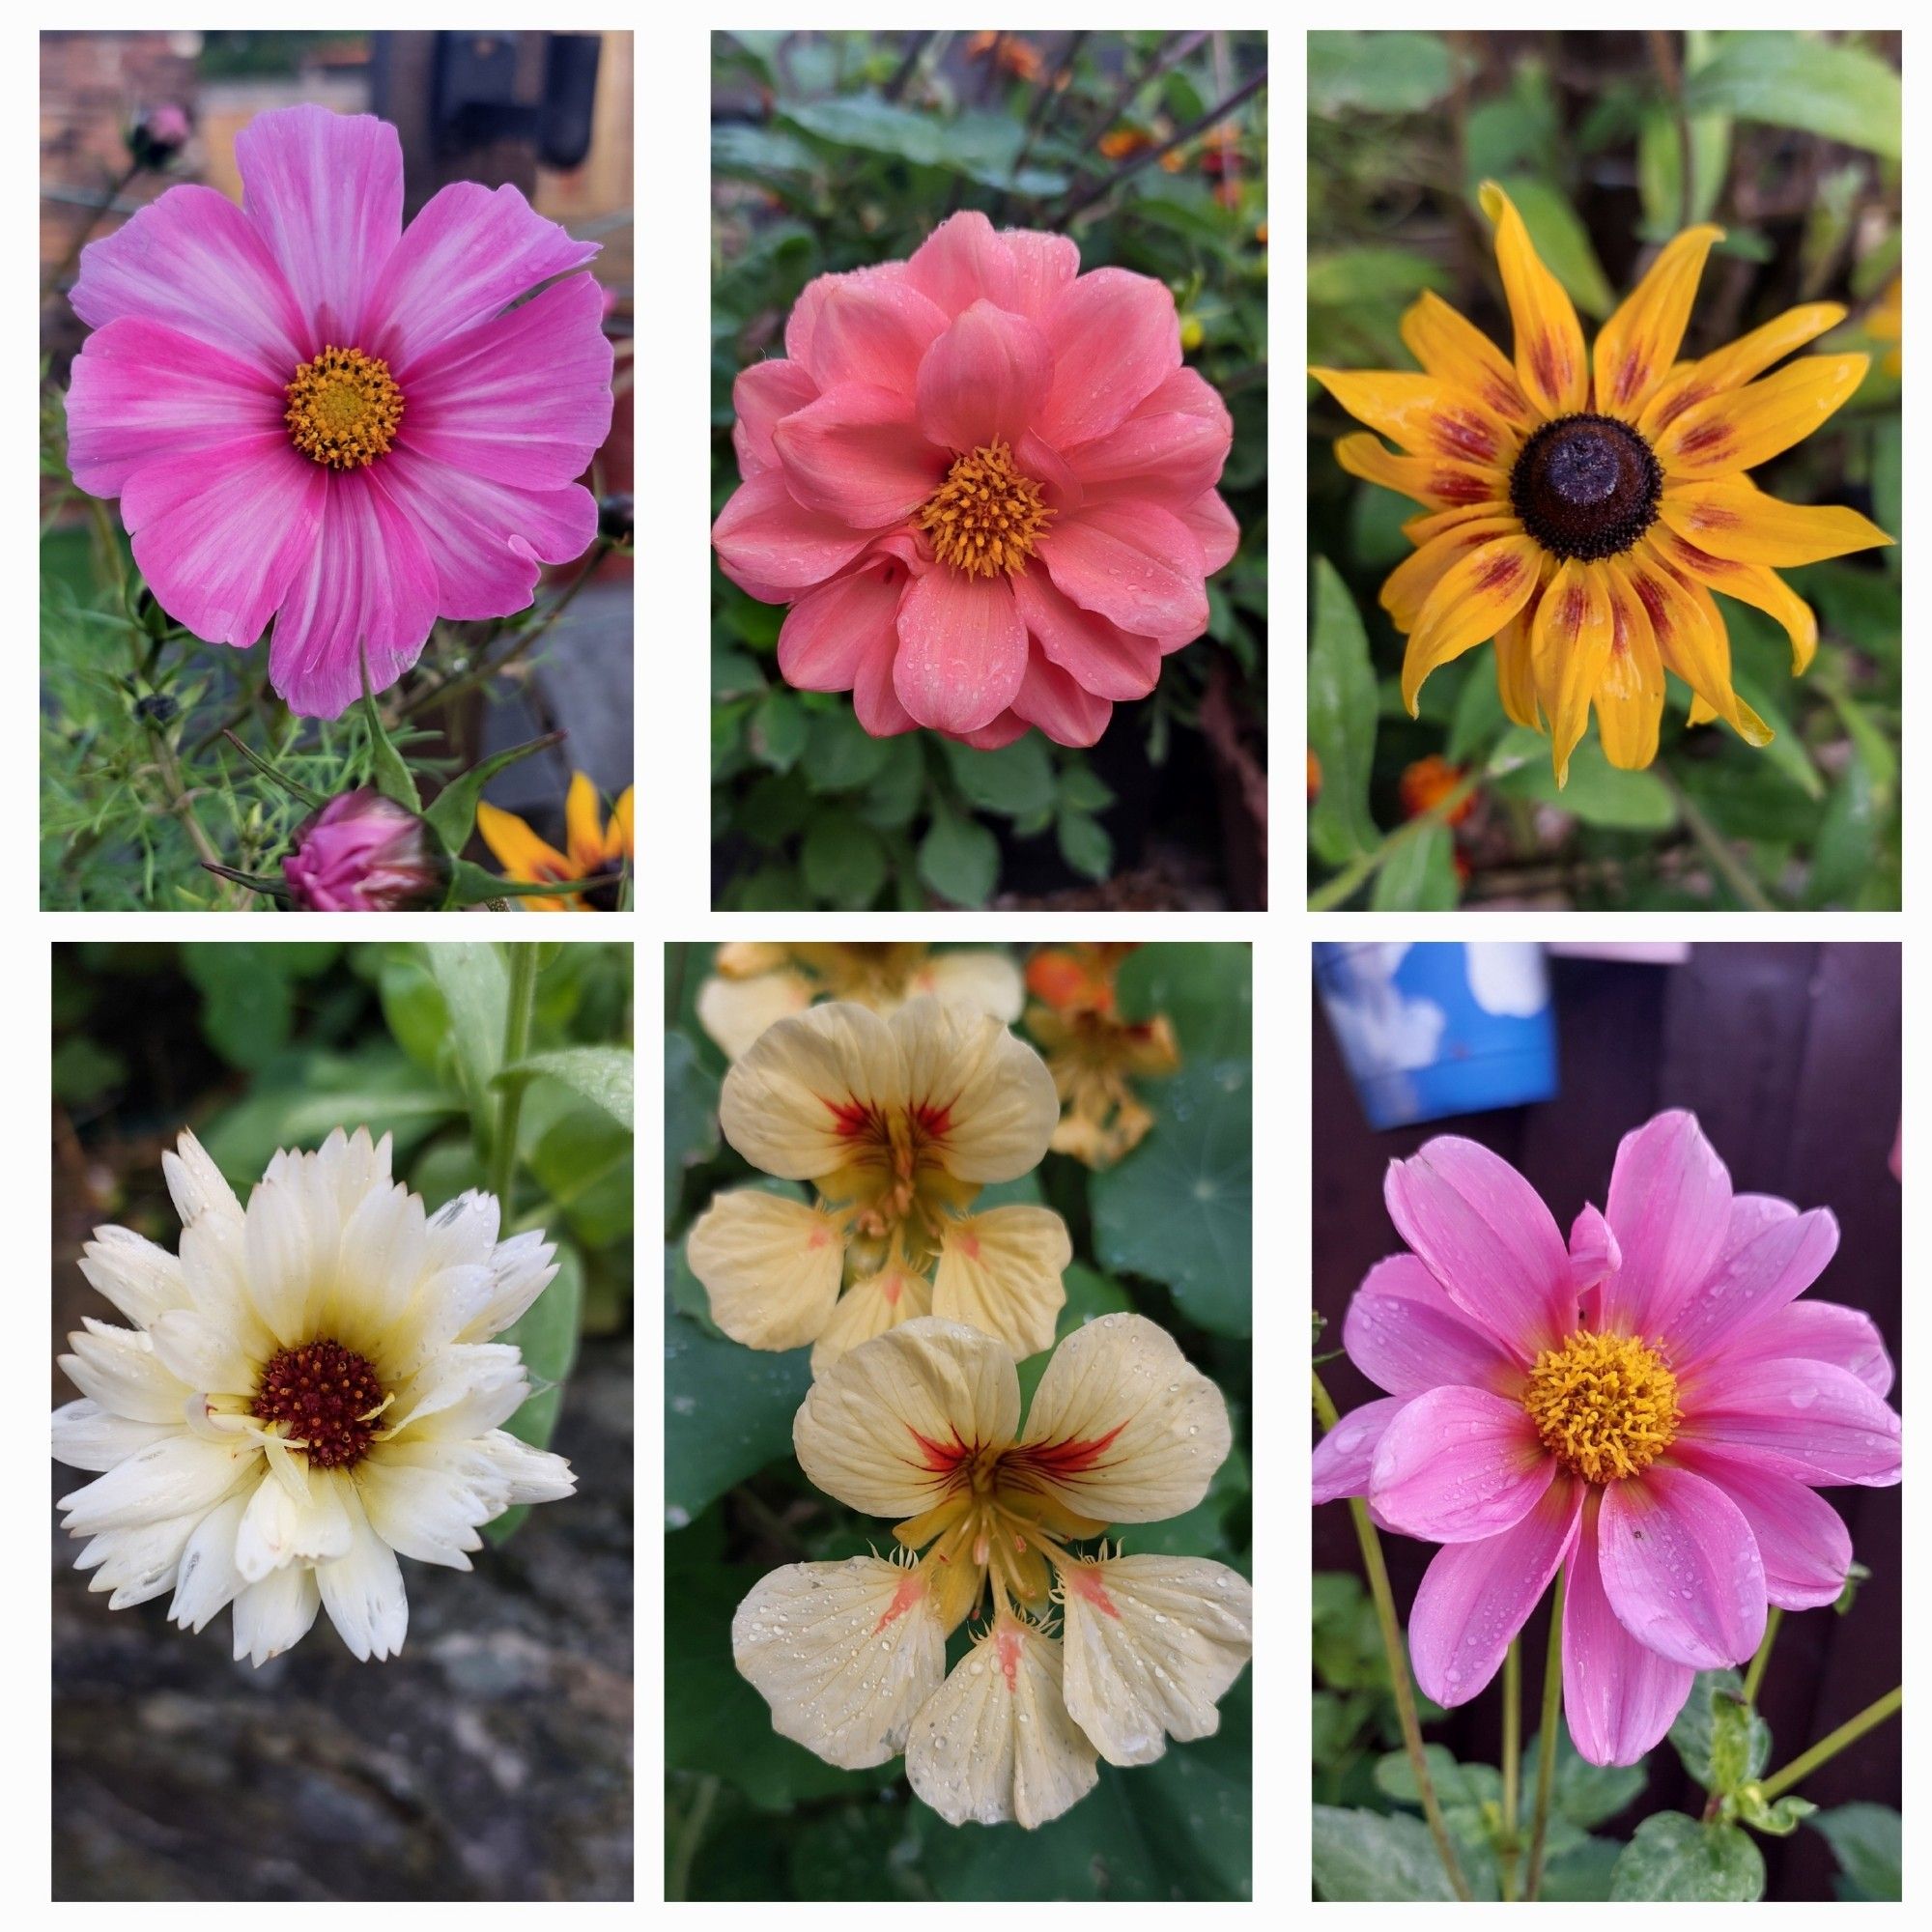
[[986, 486], [313, 415], [1649, 1409]]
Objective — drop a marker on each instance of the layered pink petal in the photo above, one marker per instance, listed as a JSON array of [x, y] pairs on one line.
[[325, 192], [1681, 1567], [468, 256], [141, 390], [964, 261], [1619, 1695], [524, 399], [1806, 1419], [220, 533], [1476, 1596], [1405, 1335], [983, 381], [1134, 563], [1483, 1232], [1750, 1215], [1594, 1253], [1058, 705], [1806, 1547], [1670, 1205], [1459, 1465], [1171, 459], [857, 454], [762, 397], [1094, 651], [962, 650], [366, 586], [1115, 338], [766, 538], [487, 541], [1215, 532], [1751, 1283], [1820, 1331], [872, 331], [193, 261], [1042, 265], [1005, 729], [1345, 1454], [830, 633]]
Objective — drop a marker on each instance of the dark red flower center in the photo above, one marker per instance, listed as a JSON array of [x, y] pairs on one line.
[[1586, 486], [326, 1398]]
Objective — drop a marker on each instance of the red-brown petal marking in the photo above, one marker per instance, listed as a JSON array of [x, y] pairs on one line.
[[1677, 406], [1710, 439], [1465, 436], [1654, 606], [1066, 1459], [1457, 486], [1006, 1647], [1499, 571], [932, 1121], [1699, 561], [943, 1458], [907, 1595], [1551, 366], [1624, 384], [1085, 1577], [855, 1119]]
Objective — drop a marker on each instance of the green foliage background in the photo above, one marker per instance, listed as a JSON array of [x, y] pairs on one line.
[[853, 162], [1609, 144], [750, 1814]]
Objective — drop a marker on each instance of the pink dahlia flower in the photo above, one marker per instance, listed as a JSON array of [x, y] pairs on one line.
[[1649, 1408], [985, 484], [312, 413]]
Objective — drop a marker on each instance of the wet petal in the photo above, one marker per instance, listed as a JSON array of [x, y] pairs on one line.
[[1458, 1466], [1001, 1272], [962, 650], [1806, 1419], [857, 455], [1405, 1335], [1681, 1568], [1820, 1331], [1347, 1454], [1670, 1206], [983, 1098], [1804, 1544], [1750, 1285], [771, 1266], [984, 379], [871, 1307]]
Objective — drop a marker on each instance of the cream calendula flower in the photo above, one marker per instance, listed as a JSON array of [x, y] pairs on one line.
[[308, 1392], [923, 1423], [753, 984], [898, 1122]]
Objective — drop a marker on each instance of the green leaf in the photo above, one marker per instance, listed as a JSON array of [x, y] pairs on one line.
[[1672, 1856], [1374, 1855], [1179, 1207], [475, 983], [1205, 989], [1855, 1575], [582, 1160], [386, 765], [778, 730], [1803, 80], [1597, 792], [1775, 1820], [1659, 168], [982, 148], [841, 754], [1843, 857], [844, 861], [547, 1333], [1562, 241], [605, 1075], [1722, 1741], [1582, 1873], [1419, 874], [1372, 274], [1867, 1841], [957, 859], [1341, 720], [247, 1009], [1382, 74], [727, 1412], [1455, 1784], [1585, 1793], [1013, 782], [1084, 844], [453, 815]]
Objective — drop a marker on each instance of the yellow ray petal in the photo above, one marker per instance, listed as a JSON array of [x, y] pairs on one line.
[[1569, 648], [771, 1266], [521, 853], [1516, 680], [1437, 482], [1449, 346], [1471, 603], [1745, 427], [1636, 346], [1409, 584], [620, 840], [1432, 523], [1751, 583], [1734, 365], [1550, 360], [1731, 517], [1690, 637], [1423, 415], [584, 826], [1629, 693], [1001, 1272]]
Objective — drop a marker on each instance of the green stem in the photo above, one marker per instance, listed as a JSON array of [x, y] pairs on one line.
[[516, 1046], [1755, 1676], [1724, 860], [1512, 1761], [1545, 1742], [1827, 1748], [1363, 868], [1398, 1662], [690, 1834]]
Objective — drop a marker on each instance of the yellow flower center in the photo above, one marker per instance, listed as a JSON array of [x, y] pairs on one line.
[[987, 517], [344, 408], [1606, 1405]]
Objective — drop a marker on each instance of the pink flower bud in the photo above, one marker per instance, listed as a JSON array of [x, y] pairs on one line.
[[158, 134], [362, 852]]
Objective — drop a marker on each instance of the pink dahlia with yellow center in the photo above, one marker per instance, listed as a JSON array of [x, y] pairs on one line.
[[315, 415], [985, 484], [1648, 1411]]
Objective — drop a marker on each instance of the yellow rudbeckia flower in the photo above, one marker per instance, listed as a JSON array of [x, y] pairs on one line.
[[1582, 507], [598, 850], [923, 1423]]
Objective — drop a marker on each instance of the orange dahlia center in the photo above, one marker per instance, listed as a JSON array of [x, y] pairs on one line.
[[1586, 486], [1604, 1406], [987, 517], [326, 1398], [344, 408]]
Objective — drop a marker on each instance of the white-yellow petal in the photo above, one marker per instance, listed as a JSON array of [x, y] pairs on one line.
[[275, 1614], [1124, 1428], [1152, 1644], [868, 1308], [1001, 1272], [771, 1266], [989, 982], [983, 1098], [996, 1743], [887, 1427], [806, 1085], [141, 1280], [735, 1011], [844, 1653]]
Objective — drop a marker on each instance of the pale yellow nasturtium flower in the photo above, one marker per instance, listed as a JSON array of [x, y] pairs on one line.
[[897, 1123], [1083, 1655], [753, 984]]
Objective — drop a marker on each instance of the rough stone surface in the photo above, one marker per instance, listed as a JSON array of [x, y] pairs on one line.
[[491, 1760]]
